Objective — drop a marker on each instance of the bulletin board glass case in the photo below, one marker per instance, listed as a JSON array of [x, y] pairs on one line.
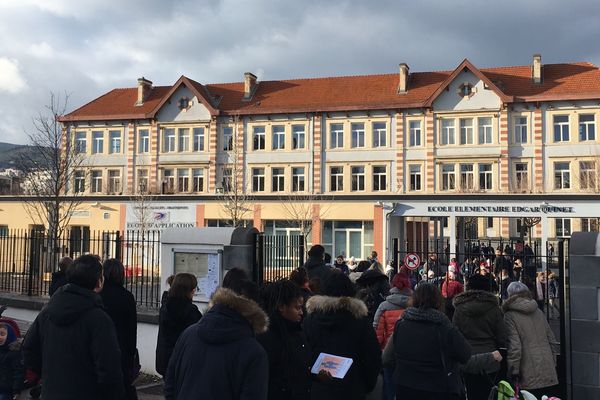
[[205, 265]]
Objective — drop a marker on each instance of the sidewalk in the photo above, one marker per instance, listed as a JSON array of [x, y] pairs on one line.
[[153, 391]]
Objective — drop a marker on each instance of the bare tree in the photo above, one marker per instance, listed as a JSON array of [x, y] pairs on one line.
[[49, 170], [299, 211]]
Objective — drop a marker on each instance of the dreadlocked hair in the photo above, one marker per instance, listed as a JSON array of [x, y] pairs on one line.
[[281, 292]]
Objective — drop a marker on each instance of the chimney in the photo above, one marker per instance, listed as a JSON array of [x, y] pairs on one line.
[[403, 81], [249, 85], [537, 68], [144, 88]]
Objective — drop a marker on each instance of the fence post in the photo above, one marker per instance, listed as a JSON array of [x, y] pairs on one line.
[[395, 250], [301, 249], [118, 250], [259, 258]]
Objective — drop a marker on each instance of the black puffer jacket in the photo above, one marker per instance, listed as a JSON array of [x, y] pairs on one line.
[[218, 358], [479, 317], [341, 326], [12, 371], [174, 317], [73, 345], [316, 268], [289, 360]]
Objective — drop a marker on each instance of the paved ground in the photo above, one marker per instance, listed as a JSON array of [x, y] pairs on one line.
[[151, 392]]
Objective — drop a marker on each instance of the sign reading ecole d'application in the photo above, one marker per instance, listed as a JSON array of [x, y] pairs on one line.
[[412, 261]]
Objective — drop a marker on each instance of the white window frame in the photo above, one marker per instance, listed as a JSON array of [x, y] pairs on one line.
[[379, 130], [80, 142], [587, 174], [227, 179], [278, 179], [96, 181], [520, 134], [485, 130], [142, 181], [199, 138], [414, 133], [448, 181], [169, 140], [521, 176], [227, 144], [298, 179], [183, 139], [198, 180], [336, 135], [97, 142], [337, 178], [562, 177], [447, 132], [467, 177], [298, 136], [144, 141], [183, 180], [168, 180], [79, 182], [258, 179], [587, 129], [415, 182], [114, 181], [357, 178], [278, 137], [563, 227], [259, 137], [357, 132], [561, 128], [379, 178], [466, 131], [115, 142], [486, 176]]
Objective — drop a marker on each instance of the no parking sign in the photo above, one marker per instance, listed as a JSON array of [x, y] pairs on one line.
[[412, 261]]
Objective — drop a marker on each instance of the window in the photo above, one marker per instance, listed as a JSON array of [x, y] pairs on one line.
[[258, 179], [520, 134], [466, 131], [198, 180], [490, 222], [79, 182], [587, 127], [298, 136], [184, 103], [379, 134], [336, 132], [278, 137], [589, 224], [561, 128], [563, 227], [485, 130], [415, 177], [3, 231], [448, 177], [114, 138], [258, 135], [447, 132], [168, 181], [278, 179], [142, 180], [337, 179], [96, 186], [80, 142], [183, 135], [348, 238], [198, 134], [183, 180], [114, 181], [562, 175], [168, 140], [466, 176], [144, 141], [379, 178], [521, 176], [358, 179], [227, 180], [587, 174], [414, 130], [485, 176], [298, 179], [97, 142], [358, 135], [227, 139], [465, 90]]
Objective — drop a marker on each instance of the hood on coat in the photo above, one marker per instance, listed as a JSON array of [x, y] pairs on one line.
[[475, 302], [370, 277], [231, 317], [398, 298], [70, 302], [330, 305], [522, 303], [425, 315]]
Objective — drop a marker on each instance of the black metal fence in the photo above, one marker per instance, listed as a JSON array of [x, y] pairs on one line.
[[29, 257], [278, 255]]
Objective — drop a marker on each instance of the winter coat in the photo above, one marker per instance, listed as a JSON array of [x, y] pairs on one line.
[[174, 317], [12, 370], [531, 344], [373, 289], [479, 318], [388, 313], [340, 326], [59, 279], [500, 263], [73, 345], [218, 358], [120, 306], [289, 360], [316, 268], [427, 350], [451, 288], [342, 267]]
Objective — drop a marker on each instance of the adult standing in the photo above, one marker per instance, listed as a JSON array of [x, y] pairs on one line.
[[72, 343], [59, 278], [175, 315], [451, 288], [531, 344], [285, 343], [315, 265], [426, 350], [338, 324], [478, 316], [120, 306], [218, 358]]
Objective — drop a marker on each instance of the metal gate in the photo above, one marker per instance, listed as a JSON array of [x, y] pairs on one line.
[[277, 256]]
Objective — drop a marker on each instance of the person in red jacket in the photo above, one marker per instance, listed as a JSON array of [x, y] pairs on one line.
[[387, 314], [450, 288]]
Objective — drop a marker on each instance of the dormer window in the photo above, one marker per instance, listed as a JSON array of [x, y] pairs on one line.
[[184, 103], [465, 90]]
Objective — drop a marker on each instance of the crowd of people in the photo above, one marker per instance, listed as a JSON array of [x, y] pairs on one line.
[[446, 336]]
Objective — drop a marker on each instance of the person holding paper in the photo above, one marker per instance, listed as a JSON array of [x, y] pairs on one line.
[[340, 334]]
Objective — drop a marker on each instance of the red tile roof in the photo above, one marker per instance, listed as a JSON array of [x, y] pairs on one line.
[[346, 93]]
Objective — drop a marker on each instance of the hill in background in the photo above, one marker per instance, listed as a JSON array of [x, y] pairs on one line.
[[10, 153]]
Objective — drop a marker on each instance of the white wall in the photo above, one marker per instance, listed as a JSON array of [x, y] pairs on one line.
[[482, 99]]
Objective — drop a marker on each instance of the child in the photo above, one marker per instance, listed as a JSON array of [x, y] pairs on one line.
[[12, 371]]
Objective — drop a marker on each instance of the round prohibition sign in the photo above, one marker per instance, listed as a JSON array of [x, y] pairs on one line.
[[412, 261]]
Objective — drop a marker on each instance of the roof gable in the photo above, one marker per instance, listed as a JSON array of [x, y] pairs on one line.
[[197, 89]]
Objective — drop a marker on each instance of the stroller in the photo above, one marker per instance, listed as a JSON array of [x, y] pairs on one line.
[[504, 391], [32, 381]]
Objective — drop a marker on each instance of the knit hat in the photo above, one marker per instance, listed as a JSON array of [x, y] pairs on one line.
[[479, 282], [400, 281], [516, 288]]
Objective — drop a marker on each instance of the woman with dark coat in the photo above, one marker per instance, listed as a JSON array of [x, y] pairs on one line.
[[478, 316], [285, 343], [338, 324], [426, 350], [120, 306], [176, 313]]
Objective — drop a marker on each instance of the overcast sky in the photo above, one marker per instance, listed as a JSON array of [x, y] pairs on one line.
[[87, 47]]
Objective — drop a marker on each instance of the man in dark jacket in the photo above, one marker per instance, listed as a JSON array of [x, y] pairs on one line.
[[72, 343], [315, 265], [59, 278], [218, 357]]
